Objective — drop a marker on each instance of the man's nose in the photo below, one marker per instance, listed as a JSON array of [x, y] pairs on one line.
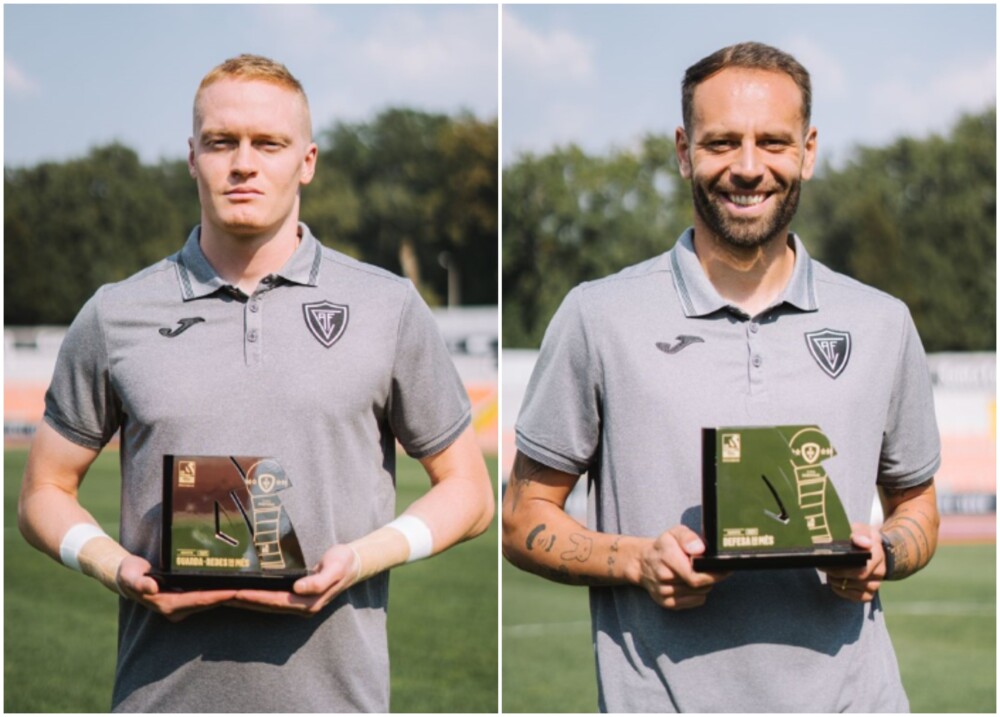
[[747, 164], [244, 160]]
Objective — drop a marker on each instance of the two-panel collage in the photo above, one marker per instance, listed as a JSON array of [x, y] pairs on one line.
[[490, 358]]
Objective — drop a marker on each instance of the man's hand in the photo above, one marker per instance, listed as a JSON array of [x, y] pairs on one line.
[[860, 584], [667, 573], [336, 571], [134, 583]]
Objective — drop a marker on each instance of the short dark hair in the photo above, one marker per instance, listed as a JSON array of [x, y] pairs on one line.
[[751, 56]]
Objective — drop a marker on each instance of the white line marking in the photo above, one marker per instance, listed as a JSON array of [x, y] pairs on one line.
[[546, 628], [970, 609]]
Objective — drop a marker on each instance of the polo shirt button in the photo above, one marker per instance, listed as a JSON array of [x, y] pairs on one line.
[[252, 335], [754, 326], [757, 361], [254, 306]]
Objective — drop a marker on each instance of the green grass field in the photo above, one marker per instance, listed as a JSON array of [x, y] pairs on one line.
[[60, 628], [942, 622]]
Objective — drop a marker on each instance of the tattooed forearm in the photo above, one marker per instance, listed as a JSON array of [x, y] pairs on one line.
[[911, 546], [540, 537], [911, 528], [575, 551]]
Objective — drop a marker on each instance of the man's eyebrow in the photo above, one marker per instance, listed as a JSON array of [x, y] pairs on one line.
[[716, 134], [207, 134]]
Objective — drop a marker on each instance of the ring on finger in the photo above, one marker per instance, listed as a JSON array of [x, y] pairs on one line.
[[843, 585]]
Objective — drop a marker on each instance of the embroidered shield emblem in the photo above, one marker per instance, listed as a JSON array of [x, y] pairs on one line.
[[326, 321], [831, 349]]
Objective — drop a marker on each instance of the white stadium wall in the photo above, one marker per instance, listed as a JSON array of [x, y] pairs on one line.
[[471, 334], [965, 402]]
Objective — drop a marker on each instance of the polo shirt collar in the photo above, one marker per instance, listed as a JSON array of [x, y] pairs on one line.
[[699, 297], [198, 278]]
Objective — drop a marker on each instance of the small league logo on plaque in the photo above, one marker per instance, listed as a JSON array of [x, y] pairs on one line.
[[326, 321], [831, 349], [731, 451], [185, 473]]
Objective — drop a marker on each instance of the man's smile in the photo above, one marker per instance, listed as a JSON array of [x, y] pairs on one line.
[[747, 200]]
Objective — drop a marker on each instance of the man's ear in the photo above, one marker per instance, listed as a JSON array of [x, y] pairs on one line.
[[809, 154], [191, 170], [309, 164], [683, 149]]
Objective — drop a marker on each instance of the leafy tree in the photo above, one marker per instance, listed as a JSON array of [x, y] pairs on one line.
[[569, 217], [68, 228], [917, 219], [411, 191], [404, 188]]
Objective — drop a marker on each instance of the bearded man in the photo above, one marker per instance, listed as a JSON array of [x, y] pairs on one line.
[[719, 331]]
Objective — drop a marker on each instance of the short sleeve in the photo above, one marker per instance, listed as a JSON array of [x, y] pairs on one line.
[[428, 405], [560, 421], [81, 403], [911, 445]]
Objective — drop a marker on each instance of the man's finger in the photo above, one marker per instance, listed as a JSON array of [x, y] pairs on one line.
[[688, 540]]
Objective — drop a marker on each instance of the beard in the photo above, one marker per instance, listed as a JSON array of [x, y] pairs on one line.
[[748, 233]]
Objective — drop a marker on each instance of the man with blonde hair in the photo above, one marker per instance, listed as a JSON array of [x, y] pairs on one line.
[[256, 340]]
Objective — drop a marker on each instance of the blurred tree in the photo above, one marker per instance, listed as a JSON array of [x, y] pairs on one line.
[[917, 219], [569, 217], [68, 228], [407, 187], [413, 192]]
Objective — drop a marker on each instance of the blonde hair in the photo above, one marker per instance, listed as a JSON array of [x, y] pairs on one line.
[[252, 68]]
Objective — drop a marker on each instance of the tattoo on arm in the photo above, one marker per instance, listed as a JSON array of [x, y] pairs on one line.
[[525, 470], [612, 557], [535, 532], [582, 547], [910, 529]]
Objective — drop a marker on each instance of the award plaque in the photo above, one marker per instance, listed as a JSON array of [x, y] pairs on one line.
[[224, 526], [767, 501]]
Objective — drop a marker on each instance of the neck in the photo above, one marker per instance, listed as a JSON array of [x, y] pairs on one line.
[[244, 259], [748, 277]]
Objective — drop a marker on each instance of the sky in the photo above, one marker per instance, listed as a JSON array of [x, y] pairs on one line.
[[78, 76], [600, 76], [603, 76]]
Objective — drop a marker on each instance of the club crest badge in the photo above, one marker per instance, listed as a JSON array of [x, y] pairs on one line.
[[831, 349], [326, 321]]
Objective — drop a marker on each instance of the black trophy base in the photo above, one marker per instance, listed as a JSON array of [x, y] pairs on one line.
[[831, 557], [183, 582]]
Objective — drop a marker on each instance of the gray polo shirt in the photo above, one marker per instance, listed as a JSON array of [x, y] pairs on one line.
[[324, 367], [631, 368]]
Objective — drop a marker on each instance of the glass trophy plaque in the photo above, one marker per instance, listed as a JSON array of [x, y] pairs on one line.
[[224, 526], [767, 501]]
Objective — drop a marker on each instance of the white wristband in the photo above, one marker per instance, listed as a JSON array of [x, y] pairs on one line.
[[417, 534], [74, 540]]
